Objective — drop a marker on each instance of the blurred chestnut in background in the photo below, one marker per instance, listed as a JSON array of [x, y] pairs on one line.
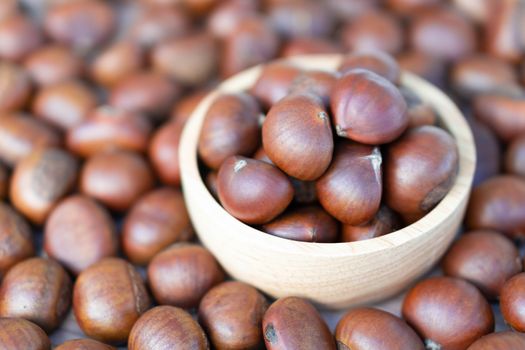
[[52, 64], [274, 82], [509, 340], [385, 221], [351, 9], [488, 151], [427, 66], [419, 113], [28, 336], [164, 153], [515, 156], [502, 30], [478, 11], [83, 344], [116, 62], [411, 7], [512, 302], [225, 16], [8, 8], [19, 36], [185, 107], [310, 46], [15, 89], [376, 61]]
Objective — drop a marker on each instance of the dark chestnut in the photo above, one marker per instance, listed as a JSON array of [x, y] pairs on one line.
[[52, 64], [20, 334], [437, 310], [507, 340], [376, 61], [511, 302], [15, 89], [294, 323], [315, 82], [385, 221], [515, 156], [164, 152], [368, 108], [83, 344], [19, 36], [116, 62], [274, 82], [350, 190]]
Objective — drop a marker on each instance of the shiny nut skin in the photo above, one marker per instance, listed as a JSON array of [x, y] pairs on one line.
[[156, 220], [368, 108], [21, 134], [108, 128], [385, 221], [307, 224], [420, 169], [163, 153], [288, 124], [167, 327], [253, 191], [15, 87], [116, 62], [231, 127], [511, 302], [350, 190], [274, 82], [84, 344], [117, 179], [498, 204], [231, 314], [484, 258], [40, 180], [437, 309], [507, 340], [65, 104], [19, 36], [293, 323], [108, 298], [504, 114], [82, 24], [38, 290], [182, 274], [52, 64], [79, 232], [367, 328], [515, 156], [157, 24], [20, 334], [15, 238], [376, 61]]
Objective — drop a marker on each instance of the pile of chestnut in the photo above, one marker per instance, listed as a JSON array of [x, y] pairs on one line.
[[96, 246]]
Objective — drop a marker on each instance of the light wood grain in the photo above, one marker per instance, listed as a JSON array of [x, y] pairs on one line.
[[334, 275]]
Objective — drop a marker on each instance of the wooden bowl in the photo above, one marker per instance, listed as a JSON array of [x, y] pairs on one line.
[[333, 275]]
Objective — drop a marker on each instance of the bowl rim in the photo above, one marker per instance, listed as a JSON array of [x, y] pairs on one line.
[[450, 116]]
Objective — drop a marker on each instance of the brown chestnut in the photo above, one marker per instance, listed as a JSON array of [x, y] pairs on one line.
[[15, 89], [307, 224], [182, 274], [315, 82], [293, 323], [507, 340], [225, 16], [350, 190], [230, 127], [65, 104], [108, 128], [310, 46], [83, 344], [427, 66], [510, 302], [53, 64], [155, 221], [40, 180], [231, 314], [385, 221], [448, 313], [117, 179], [378, 62], [368, 108], [38, 290], [15, 238], [421, 168], [367, 328], [498, 204], [108, 298], [484, 258], [515, 156], [20, 334], [419, 112], [274, 82], [19, 36], [79, 232], [288, 124], [167, 327], [185, 107], [116, 62], [164, 153], [253, 191]]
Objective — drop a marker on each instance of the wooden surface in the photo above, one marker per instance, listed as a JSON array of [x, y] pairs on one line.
[[334, 275]]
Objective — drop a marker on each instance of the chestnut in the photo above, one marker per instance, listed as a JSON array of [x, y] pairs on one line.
[[79, 232], [108, 298], [40, 180], [19, 36], [15, 89], [385, 221], [420, 169], [164, 153], [498, 204], [502, 340], [315, 82], [293, 323], [38, 290], [230, 127], [419, 113], [182, 274], [437, 309], [310, 46], [478, 11], [510, 302], [225, 16], [156, 220], [156, 24], [350, 190], [82, 24], [367, 328], [65, 104], [167, 327], [502, 36], [190, 60], [231, 314], [52, 64], [352, 9], [484, 258], [211, 184], [83, 344], [409, 7], [368, 108], [108, 128], [376, 61], [488, 148], [307, 224], [21, 134], [15, 238], [288, 124], [274, 82], [117, 179], [185, 107], [253, 191], [515, 156], [20, 334], [116, 62], [427, 66]]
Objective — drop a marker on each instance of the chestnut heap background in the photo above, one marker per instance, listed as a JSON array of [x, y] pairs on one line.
[[93, 97]]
